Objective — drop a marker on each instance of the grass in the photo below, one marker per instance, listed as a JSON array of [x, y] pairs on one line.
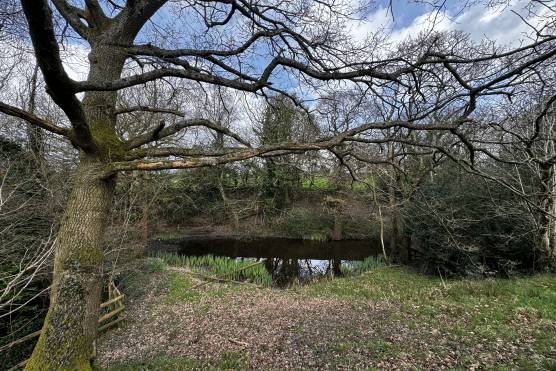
[[325, 183], [492, 310], [317, 182], [220, 266], [180, 289]]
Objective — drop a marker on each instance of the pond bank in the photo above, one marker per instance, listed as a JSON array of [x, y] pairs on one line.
[[388, 318]]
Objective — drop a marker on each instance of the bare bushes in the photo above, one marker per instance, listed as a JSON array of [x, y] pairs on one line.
[[462, 225]]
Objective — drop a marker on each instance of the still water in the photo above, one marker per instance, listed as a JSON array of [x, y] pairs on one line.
[[285, 258]]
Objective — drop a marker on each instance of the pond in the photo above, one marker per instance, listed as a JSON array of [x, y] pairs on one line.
[[286, 259]]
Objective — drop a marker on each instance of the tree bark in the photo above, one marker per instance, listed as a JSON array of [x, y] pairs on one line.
[[70, 327], [545, 256]]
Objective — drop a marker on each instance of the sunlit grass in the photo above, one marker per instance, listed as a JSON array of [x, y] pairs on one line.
[[317, 182]]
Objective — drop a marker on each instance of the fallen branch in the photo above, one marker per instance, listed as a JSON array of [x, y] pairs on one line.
[[227, 274]]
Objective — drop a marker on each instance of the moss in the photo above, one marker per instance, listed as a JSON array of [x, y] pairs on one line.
[[90, 257], [108, 142], [343, 347], [64, 344], [40, 360]]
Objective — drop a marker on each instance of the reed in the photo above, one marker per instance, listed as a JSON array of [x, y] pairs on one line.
[[369, 264], [219, 265]]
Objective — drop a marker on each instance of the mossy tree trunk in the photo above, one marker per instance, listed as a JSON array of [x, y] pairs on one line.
[[70, 327]]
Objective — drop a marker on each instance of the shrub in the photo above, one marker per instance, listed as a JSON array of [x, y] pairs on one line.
[[463, 226], [305, 224]]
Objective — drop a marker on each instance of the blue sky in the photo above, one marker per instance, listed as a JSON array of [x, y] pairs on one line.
[[499, 24]]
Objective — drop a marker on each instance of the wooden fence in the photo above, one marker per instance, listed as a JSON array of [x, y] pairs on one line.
[[111, 313]]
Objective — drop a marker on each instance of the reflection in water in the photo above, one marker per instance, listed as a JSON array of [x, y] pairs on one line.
[[286, 271], [287, 260]]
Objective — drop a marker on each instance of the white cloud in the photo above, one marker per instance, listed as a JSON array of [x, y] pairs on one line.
[[500, 24]]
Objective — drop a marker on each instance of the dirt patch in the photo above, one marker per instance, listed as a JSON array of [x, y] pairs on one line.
[[274, 330]]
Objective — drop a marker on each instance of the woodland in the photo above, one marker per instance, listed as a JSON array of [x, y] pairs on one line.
[[361, 197]]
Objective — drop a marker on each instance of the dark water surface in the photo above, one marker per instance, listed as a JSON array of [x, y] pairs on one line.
[[286, 258]]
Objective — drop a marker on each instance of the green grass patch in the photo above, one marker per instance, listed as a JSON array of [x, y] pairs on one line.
[[232, 361], [343, 347], [317, 182], [379, 284], [161, 363], [381, 349], [180, 288], [474, 311]]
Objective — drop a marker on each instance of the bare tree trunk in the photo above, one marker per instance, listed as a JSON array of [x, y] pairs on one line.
[[70, 327], [35, 137], [337, 232], [398, 240], [145, 226], [546, 245], [226, 201], [394, 222], [336, 267]]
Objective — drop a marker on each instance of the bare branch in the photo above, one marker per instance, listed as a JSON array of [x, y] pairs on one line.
[[32, 119], [59, 85], [162, 132]]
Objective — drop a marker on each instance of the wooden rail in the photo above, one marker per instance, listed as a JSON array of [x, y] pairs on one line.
[[115, 305]]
